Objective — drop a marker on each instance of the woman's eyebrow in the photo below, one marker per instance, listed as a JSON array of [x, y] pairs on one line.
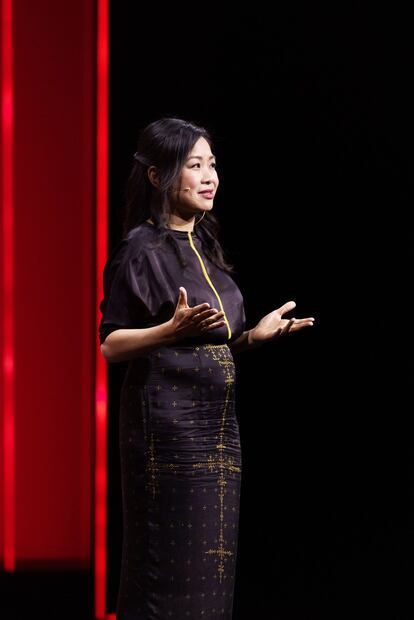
[[199, 157]]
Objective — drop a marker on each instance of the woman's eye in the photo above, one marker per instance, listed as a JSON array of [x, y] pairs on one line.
[[213, 164]]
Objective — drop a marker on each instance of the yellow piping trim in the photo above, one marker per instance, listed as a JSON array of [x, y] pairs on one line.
[[210, 282]]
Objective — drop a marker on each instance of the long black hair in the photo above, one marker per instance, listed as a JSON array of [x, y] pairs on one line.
[[166, 144]]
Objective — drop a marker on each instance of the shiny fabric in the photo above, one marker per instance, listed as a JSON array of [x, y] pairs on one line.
[[179, 436], [141, 283]]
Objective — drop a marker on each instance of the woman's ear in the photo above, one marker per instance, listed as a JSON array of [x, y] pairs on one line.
[[153, 176]]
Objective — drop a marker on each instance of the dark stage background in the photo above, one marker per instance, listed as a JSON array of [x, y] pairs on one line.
[[312, 116]]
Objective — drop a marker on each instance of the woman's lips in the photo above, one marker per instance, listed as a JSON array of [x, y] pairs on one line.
[[207, 194]]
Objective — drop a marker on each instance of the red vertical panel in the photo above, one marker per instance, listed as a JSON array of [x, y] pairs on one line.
[[89, 330], [2, 479], [7, 281], [101, 255], [53, 250]]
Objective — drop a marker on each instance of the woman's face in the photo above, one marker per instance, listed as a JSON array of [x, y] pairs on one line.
[[198, 183]]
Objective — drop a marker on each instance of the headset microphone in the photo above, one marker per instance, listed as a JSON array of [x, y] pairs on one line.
[[183, 189]]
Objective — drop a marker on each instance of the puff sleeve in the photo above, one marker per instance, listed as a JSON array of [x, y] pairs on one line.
[[122, 306]]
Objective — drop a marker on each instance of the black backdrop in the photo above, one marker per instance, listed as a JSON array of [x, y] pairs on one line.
[[312, 116]]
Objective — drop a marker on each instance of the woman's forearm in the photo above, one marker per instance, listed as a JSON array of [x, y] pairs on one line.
[[244, 342], [125, 344]]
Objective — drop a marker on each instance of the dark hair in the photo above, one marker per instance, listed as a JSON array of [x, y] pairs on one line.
[[165, 144]]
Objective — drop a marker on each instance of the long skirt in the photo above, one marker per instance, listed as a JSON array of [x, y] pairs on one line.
[[181, 474]]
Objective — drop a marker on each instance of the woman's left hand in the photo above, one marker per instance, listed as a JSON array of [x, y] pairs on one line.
[[273, 325]]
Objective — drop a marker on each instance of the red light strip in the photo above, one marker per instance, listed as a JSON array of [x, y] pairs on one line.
[[101, 413], [7, 245]]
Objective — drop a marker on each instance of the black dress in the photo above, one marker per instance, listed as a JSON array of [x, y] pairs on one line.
[[179, 435]]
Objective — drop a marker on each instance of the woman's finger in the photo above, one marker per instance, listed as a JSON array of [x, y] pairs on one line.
[[309, 319], [213, 317], [301, 325], [196, 309], [286, 307], [213, 325], [287, 327], [207, 314]]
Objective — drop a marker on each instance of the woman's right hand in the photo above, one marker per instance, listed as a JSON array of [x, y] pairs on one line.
[[194, 321]]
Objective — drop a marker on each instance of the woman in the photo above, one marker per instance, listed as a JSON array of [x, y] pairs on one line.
[[173, 310]]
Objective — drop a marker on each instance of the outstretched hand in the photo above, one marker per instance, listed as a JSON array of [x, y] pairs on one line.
[[273, 325], [196, 320]]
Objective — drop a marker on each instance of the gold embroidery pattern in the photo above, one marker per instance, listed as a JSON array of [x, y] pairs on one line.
[[153, 468], [220, 463]]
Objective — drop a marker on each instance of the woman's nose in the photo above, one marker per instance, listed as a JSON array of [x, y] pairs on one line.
[[208, 177]]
